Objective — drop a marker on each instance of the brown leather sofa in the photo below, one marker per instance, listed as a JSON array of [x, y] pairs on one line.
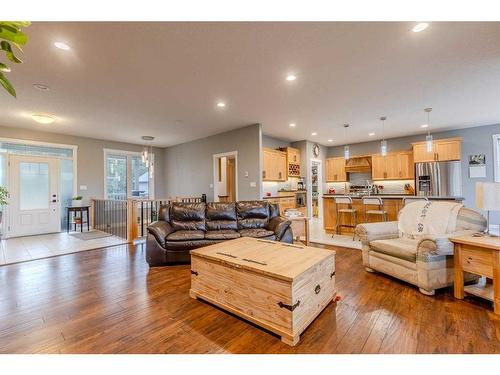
[[184, 226]]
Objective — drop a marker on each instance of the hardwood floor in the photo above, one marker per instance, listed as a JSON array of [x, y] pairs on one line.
[[109, 301]]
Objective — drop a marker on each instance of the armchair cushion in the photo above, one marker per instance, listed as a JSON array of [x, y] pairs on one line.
[[279, 226], [402, 248], [377, 231], [160, 230], [429, 247]]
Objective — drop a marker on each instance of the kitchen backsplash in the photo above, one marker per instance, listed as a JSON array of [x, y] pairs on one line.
[[390, 187], [273, 186], [394, 187]]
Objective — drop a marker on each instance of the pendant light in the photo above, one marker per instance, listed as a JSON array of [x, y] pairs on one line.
[[147, 155], [428, 138], [383, 142], [346, 147]]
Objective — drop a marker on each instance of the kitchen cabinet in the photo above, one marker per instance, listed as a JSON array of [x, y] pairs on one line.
[[442, 150], [335, 170], [292, 161], [284, 203], [393, 166], [274, 165]]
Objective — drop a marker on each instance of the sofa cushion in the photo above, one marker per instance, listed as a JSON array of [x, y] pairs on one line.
[[186, 235], [252, 214], [164, 212], [187, 216], [402, 248], [224, 234], [221, 216], [257, 233]]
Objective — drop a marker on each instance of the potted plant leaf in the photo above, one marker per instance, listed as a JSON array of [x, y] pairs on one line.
[[77, 201], [4, 194]]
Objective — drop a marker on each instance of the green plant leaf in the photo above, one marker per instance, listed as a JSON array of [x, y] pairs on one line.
[[5, 46], [12, 34], [4, 68], [7, 85], [16, 24]]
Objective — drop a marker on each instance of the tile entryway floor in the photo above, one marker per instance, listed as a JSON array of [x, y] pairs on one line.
[[21, 249], [317, 234]]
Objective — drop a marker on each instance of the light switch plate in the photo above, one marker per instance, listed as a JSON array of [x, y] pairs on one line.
[[83, 187], [253, 184], [211, 186]]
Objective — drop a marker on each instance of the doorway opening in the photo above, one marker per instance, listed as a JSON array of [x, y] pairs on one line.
[[226, 177], [316, 201]]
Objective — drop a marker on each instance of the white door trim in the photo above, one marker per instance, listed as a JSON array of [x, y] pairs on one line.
[[50, 144], [216, 169]]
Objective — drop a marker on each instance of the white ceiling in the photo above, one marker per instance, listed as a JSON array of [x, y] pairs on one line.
[[124, 80]]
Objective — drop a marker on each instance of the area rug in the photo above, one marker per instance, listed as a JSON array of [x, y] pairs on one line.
[[92, 235]]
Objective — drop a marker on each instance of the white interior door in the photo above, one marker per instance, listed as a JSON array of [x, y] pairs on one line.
[[34, 196]]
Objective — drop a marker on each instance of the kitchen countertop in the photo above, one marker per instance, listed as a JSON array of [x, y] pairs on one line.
[[279, 196], [394, 196]]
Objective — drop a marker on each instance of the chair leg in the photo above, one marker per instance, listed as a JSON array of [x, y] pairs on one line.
[[355, 224]]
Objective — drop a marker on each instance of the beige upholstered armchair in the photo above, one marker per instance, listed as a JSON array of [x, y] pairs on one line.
[[426, 262]]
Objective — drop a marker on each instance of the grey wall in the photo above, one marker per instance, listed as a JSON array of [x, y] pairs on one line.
[[90, 160], [476, 140], [274, 143], [189, 166]]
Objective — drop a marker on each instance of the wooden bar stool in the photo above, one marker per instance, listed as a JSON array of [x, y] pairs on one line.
[[343, 200], [407, 200], [373, 201]]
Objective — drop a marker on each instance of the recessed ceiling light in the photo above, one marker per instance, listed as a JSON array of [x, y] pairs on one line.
[[43, 118], [330, 140], [371, 134], [291, 77], [221, 104], [424, 126], [420, 27], [292, 125], [62, 45], [41, 87], [314, 133]]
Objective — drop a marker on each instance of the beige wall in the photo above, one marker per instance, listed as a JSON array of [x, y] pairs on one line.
[[90, 157]]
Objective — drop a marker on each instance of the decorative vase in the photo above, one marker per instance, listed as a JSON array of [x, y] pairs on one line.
[[77, 203]]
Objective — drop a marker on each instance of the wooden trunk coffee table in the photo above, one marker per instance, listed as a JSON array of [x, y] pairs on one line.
[[278, 286]]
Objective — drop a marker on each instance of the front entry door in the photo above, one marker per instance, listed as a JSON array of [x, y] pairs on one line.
[[34, 196]]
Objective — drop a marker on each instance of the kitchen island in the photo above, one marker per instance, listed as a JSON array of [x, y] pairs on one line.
[[392, 204]]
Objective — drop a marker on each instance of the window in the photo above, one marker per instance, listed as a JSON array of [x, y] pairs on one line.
[[496, 156], [126, 176]]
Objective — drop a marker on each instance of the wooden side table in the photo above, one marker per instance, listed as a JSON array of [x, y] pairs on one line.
[[80, 210], [480, 256], [300, 228]]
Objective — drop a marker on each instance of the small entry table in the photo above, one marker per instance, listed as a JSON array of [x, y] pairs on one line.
[[79, 211], [480, 256]]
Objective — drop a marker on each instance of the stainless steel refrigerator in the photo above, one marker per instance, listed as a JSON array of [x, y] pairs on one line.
[[438, 179]]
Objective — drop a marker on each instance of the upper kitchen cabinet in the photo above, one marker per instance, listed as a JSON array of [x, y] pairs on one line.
[[335, 170], [274, 165], [442, 150], [393, 166], [292, 161]]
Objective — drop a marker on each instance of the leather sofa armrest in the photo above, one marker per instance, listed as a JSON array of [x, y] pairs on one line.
[[278, 225], [377, 231], [160, 230], [429, 245]]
